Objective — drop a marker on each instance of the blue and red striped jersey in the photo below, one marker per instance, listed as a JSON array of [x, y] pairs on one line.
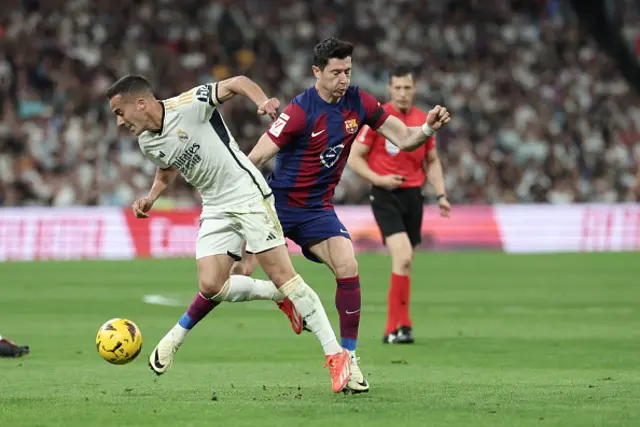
[[315, 139]]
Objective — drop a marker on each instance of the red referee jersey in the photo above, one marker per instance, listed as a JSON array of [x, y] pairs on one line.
[[385, 158]]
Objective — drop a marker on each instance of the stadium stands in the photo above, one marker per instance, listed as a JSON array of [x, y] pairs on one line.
[[541, 116]]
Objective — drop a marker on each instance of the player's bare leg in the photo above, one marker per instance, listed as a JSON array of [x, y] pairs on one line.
[[338, 254], [244, 268], [213, 273], [215, 285], [399, 327], [276, 263]]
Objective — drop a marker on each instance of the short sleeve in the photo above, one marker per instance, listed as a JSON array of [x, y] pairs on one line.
[[206, 100], [374, 114], [288, 126], [158, 162], [367, 136]]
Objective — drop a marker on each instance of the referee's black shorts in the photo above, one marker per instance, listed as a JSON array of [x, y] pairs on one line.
[[398, 211]]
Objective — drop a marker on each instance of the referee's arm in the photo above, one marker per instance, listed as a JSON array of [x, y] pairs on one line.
[[433, 169], [358, 163]]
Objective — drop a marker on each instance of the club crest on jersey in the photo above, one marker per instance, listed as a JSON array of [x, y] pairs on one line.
[[351, 125], [330, 156], [391, 148], [182, 136]]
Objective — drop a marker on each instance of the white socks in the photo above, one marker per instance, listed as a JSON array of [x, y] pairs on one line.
[[244, 288], [237, 289], [308, 304], [179, 333]]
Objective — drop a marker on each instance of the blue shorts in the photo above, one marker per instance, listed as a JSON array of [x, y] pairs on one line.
[[309, 226]]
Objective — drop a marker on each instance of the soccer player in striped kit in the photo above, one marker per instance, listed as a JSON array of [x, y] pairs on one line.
[[311, 141]]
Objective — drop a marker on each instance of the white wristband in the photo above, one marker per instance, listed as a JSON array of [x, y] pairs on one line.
[[427, 130]]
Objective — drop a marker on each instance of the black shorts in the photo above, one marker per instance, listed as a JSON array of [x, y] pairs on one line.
[[399, 211]]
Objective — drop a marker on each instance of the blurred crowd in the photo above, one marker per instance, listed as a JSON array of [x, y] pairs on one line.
[[540, 115]]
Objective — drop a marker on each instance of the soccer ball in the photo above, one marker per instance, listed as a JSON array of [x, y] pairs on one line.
[[119, 341]]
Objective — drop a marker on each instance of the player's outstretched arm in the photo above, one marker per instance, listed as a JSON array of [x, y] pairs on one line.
[[410, 138], [263, 151], [242, 85], [283, 131]]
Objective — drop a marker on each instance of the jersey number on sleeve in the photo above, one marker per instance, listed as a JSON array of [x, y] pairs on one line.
[[278, 125], [204, 94]]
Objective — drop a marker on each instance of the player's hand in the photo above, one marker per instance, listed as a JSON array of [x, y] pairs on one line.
[[438, 117], [445, 207], [141, 207], [270, 108], [390, 182]]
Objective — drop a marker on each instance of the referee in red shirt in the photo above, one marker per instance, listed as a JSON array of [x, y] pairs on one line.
[[396, 195]]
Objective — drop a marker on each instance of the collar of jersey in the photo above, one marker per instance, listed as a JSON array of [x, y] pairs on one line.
[[164, 113], [400, 113], [328, 104]]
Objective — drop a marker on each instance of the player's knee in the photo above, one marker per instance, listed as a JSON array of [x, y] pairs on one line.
[[277, 265], [210, 286], [280, 274], [402, 262], [402, 265], [346, 267]]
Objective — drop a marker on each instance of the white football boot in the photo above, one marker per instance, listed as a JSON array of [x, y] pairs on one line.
[[357, 382], [162, 356]]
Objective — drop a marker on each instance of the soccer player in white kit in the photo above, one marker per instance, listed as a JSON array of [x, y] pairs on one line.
[[187, 135]]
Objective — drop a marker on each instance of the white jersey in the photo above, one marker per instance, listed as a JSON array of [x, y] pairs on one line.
[[195, 140]]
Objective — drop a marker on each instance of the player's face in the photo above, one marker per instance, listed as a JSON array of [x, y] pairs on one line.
[[335, 77], [130, 113], [403, 91]]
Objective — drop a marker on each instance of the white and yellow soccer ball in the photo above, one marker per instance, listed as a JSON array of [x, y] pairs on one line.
[[119, 341]]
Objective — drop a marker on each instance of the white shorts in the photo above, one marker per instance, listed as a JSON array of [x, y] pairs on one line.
[[224, 233]]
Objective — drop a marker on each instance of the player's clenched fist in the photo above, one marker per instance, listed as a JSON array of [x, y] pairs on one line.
[[141, 207], [270, 108], [438, 117]]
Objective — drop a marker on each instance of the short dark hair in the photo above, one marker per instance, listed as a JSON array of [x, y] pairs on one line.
[[401, 71], [129, 85], [331, 48]]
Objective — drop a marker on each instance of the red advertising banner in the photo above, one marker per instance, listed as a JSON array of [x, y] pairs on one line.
[[164, 234], [83, 233], [114, 233]]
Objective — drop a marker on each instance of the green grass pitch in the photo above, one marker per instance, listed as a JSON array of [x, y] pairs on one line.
[[502, 340]]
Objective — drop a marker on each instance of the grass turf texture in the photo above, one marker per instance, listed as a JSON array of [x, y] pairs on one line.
[[502, 340]]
